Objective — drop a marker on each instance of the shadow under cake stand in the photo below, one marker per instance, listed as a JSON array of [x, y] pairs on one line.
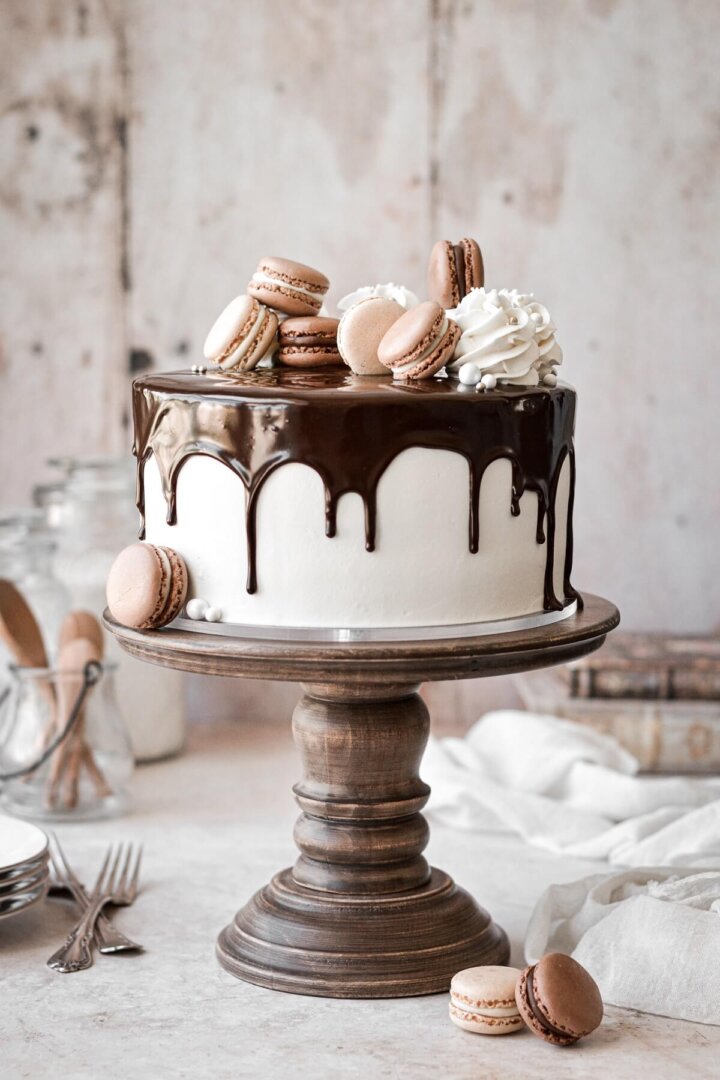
[[361, 914]]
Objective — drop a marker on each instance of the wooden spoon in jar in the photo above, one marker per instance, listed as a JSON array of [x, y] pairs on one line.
[[82, 624], [19, 629], [21, 634], [72, 658]]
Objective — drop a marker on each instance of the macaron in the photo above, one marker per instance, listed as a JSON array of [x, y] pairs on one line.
[[290, 287], [308, 341], [482, 999], [453, 270], [420, 343], [362, 328], [559, 1000], [241, 335], [146, 586]]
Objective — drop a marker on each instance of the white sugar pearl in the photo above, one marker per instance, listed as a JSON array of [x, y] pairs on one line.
[[469, 374], [489, 382], [213, 614], [550, 379], [196, 608]]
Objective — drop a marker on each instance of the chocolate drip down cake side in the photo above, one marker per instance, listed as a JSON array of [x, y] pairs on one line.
[[417, 471]]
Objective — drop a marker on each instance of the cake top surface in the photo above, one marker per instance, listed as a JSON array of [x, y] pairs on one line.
[[329, 384]]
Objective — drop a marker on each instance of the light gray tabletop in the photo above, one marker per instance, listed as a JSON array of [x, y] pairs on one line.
[[216, 824]]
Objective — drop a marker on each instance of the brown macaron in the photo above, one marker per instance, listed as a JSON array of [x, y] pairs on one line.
[[420, 343], [308, 341], [290, 287], [453, 270], [147, 586], [559, 1000]]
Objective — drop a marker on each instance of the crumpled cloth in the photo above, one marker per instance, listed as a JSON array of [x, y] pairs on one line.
[[572, 790], [650, 938]]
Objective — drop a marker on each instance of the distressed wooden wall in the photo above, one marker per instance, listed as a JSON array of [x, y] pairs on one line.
[[151, 150]]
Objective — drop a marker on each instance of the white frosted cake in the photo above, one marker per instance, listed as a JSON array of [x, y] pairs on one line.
[[328, 500]]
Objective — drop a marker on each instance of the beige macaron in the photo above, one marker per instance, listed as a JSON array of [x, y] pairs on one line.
[[482, 1000], [420, 343], [146, 586], [242, 335], [361, 330]]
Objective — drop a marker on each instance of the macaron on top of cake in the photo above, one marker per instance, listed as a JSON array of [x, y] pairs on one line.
[[482, 1000], [361, 330], [308, 341], [420, 343], [147, 586], [559, 1000], [242, 335], [289, 287], [453, 270]]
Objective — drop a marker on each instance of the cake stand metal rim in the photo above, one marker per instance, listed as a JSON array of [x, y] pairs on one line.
[[367, 662]]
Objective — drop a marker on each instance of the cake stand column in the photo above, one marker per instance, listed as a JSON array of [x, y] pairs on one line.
[[361, 914], [361, 830]]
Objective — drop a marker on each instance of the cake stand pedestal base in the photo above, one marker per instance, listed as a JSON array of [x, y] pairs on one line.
[[361, 914]]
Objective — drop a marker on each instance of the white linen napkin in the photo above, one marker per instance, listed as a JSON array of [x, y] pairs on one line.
[[572, 790], [650, 938]]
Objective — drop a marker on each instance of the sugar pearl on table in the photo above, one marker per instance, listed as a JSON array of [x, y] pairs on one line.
[[213, 614], [196, 608], [488, 382], [469, 374], [550, 379]]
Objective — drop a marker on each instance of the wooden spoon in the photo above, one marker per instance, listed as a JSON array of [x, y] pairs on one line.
[[72, 658], [82, 624], [19, 629], [20, 633]]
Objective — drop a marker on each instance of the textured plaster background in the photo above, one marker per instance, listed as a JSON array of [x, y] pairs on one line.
[[150, 152]]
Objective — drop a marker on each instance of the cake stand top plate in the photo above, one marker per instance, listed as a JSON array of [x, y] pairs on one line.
[[371, 663]]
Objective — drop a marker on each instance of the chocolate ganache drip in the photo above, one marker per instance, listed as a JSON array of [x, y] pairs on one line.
[[348, 429]]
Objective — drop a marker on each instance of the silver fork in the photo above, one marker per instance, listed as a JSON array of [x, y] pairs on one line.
[[107, 937], [127, 887], [76, 953]]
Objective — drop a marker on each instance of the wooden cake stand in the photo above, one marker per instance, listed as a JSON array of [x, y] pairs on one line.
[[361, 914]]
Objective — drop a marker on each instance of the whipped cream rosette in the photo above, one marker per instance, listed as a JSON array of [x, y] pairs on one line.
[[551, 355], [405, 297], [506, 334]]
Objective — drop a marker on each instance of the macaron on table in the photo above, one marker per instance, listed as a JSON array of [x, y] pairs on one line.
[[252, 580]]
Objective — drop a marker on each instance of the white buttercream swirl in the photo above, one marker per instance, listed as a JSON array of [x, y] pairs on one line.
[[389, 291], [506, 334]]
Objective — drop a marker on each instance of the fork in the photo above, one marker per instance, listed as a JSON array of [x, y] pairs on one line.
[[107, 937], [76, 953]]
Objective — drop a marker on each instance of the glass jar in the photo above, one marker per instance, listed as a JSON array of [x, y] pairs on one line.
[[27, 550], [81, 774], [96, 519], [49, 500]]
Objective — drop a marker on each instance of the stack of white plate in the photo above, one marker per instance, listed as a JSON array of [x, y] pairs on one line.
[[24, 873]]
